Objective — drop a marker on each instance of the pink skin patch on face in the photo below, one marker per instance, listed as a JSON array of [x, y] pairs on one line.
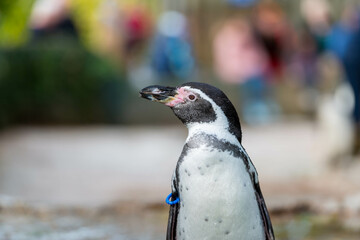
[[178, 98]]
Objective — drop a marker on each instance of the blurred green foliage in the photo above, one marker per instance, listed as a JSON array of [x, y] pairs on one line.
[[56, 80], [86, 18], [14, 16]]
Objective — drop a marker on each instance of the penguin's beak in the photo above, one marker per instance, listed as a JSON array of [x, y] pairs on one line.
[[161, 94]]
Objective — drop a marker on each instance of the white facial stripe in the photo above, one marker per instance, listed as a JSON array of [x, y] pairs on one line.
[[219, 127]]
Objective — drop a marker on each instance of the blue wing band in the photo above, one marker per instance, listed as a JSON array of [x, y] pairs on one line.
[[172, 202]]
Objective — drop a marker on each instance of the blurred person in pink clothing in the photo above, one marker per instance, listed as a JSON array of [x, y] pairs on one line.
[[240, 59], [238, 56]]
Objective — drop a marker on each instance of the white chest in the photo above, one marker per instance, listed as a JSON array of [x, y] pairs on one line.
[[217, 199]]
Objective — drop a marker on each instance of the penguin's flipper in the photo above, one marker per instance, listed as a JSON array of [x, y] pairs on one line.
[[172, 222], [268, 229]]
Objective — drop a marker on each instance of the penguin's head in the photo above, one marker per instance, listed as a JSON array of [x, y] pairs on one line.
[[197, 103]]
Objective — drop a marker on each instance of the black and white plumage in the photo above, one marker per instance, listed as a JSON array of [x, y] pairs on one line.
[[218, 186]]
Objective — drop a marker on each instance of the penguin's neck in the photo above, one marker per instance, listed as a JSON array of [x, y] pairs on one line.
[[217, 129]]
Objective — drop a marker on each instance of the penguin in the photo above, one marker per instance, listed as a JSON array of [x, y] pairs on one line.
[[215, 191]]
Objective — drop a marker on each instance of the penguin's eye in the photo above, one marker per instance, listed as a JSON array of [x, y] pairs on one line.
[[191, 97]]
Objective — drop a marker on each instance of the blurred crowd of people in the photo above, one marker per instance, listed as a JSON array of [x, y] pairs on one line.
[[258, 48], [263, 50]]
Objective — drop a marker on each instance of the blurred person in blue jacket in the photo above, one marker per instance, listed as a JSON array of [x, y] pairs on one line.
[[352, 71], [344, 41], [171, 53]]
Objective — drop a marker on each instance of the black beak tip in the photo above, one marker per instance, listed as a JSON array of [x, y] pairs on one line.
[[145, 95], [156, 92]]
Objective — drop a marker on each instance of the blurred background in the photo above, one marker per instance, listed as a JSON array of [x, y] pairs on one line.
[[83, 157]]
